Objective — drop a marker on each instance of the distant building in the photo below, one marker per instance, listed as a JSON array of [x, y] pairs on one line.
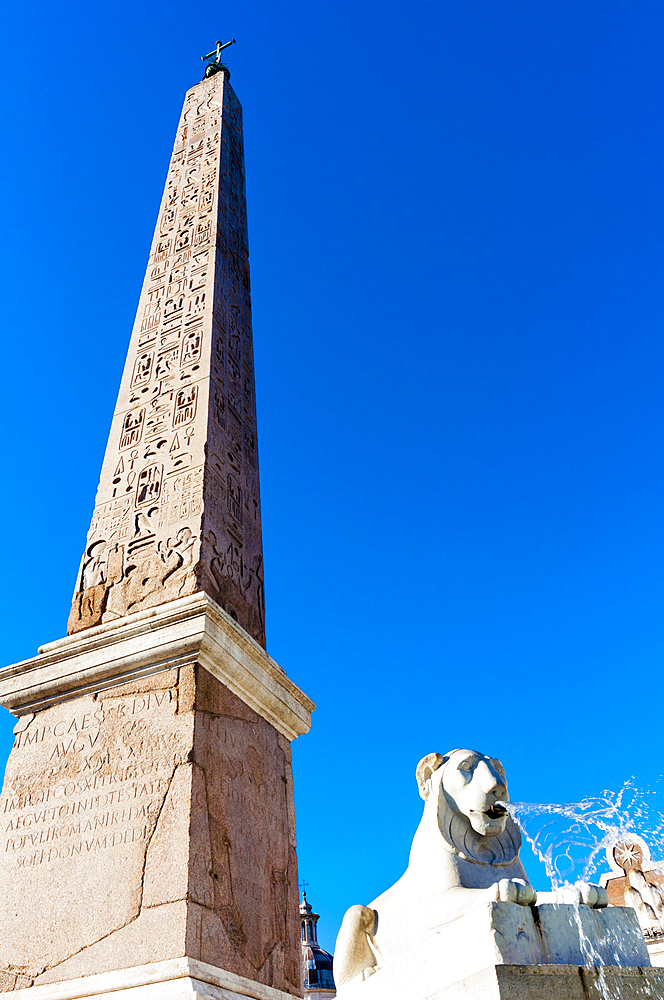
[[318, 981], [636, 881]]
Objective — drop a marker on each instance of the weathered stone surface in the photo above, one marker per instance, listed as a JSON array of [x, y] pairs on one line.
[[250, 838], [555, 982], [178, 503], [147, 822]]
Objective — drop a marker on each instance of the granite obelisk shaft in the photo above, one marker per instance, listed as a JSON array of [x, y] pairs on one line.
[[178, 504]]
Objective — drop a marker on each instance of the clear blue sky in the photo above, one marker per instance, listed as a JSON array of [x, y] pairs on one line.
[[456, 231]]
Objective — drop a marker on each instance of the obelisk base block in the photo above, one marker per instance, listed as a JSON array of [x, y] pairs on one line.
[[147, 811], [177, 979]]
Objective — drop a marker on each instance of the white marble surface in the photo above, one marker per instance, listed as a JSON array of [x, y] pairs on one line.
[[464, 902], [465, 852], [170, 980], [497, 934], [540, 982], [656, 952]]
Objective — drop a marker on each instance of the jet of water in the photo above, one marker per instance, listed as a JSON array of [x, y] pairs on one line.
[[571, 838]]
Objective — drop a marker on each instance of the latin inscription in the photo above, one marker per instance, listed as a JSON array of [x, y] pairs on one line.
[[102, 781]]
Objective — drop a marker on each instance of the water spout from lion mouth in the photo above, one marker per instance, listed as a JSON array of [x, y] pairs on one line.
[[498, 811]]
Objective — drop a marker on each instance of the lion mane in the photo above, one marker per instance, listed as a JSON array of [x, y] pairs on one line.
[[455, 828]]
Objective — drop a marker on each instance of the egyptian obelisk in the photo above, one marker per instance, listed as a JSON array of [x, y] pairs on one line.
[[178, 504], [148, 823]]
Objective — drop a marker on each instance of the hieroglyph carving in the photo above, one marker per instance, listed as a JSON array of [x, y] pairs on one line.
[[178, 504]]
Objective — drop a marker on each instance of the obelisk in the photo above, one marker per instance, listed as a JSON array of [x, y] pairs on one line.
[[178, 503], [148, 822]]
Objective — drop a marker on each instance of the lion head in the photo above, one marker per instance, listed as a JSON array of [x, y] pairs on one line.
[[466, 790]]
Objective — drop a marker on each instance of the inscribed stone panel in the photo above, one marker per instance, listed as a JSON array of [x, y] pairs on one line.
[[247, 826], [84, 787]]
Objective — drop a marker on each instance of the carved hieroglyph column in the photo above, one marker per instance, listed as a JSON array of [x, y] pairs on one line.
[[147, 822], [178, 504]]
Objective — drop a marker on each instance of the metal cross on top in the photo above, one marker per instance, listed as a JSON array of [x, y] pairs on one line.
[[213, 59]]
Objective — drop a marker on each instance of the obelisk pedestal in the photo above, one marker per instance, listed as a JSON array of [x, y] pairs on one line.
[[147, 808]]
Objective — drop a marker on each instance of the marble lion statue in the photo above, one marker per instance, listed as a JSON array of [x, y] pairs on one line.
[[465, 852]]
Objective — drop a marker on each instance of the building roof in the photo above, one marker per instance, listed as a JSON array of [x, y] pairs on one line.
[[317, 963]]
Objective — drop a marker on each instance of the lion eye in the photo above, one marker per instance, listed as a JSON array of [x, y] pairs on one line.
[[498, 767], [466, 765]]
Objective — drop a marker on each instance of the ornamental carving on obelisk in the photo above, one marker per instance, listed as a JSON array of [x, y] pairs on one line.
[[178, 503]]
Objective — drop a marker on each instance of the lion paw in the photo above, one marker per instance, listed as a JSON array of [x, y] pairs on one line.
[[582, 893], [514, 890], [593, 895]]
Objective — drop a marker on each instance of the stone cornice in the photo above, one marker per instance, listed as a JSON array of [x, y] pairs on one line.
[[190, 629]]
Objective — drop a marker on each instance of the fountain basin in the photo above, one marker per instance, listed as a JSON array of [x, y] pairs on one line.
[[502, 950]]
